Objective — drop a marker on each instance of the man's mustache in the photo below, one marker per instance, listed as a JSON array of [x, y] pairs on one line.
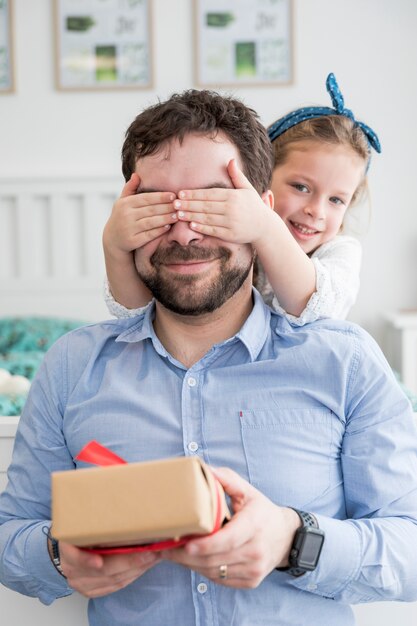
[[176, 253]]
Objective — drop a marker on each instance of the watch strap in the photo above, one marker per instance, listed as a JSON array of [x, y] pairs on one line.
[[56, 557], [308, 520]]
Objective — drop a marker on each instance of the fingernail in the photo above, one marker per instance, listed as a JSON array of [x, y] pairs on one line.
[[177, 204], [174, 216], [181, 213], [182, 194]]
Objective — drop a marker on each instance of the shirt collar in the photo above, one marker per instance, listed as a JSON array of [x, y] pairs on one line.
[[142, 327], [255, 330], [253, 333]]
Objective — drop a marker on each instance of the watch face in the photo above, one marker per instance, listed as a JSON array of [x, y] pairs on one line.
[[310, 548]]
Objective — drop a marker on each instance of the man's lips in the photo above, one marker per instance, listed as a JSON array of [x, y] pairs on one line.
[[188, 259], [188, 267]]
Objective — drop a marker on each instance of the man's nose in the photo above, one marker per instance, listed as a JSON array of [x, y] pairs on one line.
[[181, 233]]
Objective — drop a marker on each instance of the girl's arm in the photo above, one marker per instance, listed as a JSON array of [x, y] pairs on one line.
[[337, 266], [119, 310], [123, 285], [290, 272]]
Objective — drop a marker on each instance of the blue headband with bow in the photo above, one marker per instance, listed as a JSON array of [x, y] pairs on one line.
[[300, 115]]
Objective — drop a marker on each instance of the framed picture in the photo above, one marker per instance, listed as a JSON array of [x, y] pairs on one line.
[[243, 42], [6, 47], [103, 44]]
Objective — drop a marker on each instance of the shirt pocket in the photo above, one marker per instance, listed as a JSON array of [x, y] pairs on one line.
[[290, 453]]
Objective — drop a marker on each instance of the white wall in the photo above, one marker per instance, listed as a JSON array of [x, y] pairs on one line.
[[370, 45]]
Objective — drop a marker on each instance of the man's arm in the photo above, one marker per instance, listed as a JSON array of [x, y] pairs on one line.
[[40, 448], [371, 554]]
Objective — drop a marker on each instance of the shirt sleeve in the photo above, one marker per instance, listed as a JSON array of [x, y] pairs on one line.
[[25, 565], [369, 554], [117, 309], [337, 264]]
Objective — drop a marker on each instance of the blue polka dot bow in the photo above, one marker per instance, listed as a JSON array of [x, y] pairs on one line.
[[299, 115]]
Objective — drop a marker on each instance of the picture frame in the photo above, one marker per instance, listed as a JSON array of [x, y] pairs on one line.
[[243, 42], [103, 45], [6, 47]]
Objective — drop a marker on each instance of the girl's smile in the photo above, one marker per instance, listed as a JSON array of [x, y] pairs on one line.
[[313, 189]]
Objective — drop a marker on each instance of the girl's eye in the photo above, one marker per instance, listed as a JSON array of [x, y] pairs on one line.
[[300, 187], [335, 200]]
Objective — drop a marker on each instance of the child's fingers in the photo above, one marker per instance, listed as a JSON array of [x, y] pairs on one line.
[[209, 219], [155, 221], [131, 186], [220, 232], [147, 229], [213, 194], [210, 224], [146, 236], [237, 177], [203, 207], [132, 212], [223, 225], [220, 226], [160, 201]]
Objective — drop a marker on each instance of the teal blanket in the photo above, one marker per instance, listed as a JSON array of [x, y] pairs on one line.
[[23, 343]]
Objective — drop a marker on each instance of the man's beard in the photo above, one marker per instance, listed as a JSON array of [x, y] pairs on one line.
[[183, 293]]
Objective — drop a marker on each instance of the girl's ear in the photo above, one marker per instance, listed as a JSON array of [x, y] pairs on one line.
[[268, 198]]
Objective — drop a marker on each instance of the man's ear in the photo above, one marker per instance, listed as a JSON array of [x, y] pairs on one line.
[[268, 198]]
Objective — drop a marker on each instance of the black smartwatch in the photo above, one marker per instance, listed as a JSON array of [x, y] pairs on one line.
[[306, 548]]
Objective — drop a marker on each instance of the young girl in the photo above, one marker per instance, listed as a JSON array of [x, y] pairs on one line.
[[306, 268]]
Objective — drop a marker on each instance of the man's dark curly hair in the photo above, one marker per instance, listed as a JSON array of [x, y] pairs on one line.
[[207, 113]]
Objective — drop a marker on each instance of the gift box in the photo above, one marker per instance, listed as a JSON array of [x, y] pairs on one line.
[[122, 504]]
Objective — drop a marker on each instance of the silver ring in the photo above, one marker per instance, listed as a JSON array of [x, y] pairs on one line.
[[223, 572]]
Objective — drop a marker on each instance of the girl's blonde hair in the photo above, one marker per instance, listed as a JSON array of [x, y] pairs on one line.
[[330, 129]]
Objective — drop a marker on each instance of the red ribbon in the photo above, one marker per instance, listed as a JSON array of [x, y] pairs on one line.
[[97, 454]]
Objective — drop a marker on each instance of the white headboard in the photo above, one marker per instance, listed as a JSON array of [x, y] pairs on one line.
[[51, 259]]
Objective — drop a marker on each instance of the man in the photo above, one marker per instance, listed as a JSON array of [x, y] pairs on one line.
[[304, 417]]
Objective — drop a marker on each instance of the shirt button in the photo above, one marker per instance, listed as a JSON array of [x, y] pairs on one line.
[[311, 587], [191, 382], [193, 446], [202, 588]]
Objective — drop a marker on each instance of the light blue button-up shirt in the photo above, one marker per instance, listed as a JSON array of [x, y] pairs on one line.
[[311, 416]]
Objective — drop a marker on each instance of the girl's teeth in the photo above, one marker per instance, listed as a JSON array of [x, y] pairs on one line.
[[303, 229]]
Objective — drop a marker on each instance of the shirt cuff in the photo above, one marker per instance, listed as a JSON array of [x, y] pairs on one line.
[[339, 561], [48, 584]]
